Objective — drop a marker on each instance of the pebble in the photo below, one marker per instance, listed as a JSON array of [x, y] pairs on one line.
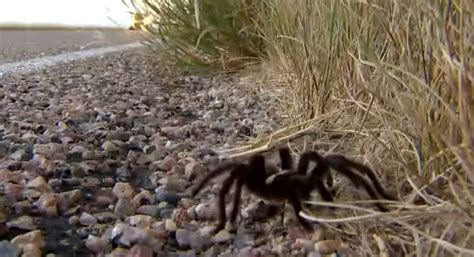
[[192, 170], [140, 221], [170, 225], [221, 237], [140, 251], [329, 246], [9, 250], [123, 190], [31, 238], [167, 163], [96, 244], [39, 184], [23, 222], [205, 211], [86, 219], [152, 210], [124, 208]]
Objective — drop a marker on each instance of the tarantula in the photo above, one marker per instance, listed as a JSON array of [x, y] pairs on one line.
[[292, 186]]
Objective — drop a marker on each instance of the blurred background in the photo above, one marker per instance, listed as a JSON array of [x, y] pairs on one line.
[[69, 13]]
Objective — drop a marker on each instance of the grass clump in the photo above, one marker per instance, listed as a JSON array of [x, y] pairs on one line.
[[203, 35], [396, 78]]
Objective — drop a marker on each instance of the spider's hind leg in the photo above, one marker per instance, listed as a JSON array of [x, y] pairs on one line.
[[375, 190]]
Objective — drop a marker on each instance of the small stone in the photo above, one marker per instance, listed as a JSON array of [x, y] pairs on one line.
[[73, 220], [8, 249], [192, 170], [123, 190], [48, 204], [140, 221], [170, 225], [123, 208], [163, 196], [19, 155], [143, 198], [328, 246], [118, 135], [31, 250], [23, 222], [103, 200], [88, 155], [54, 182], [221, 237], [34, 237], [39, 184], [152, 210], [205, 211], [96, 244], [123, 172], [109, 147], [140, 251], [105, 217], [183, 238], [306, 245], [5, 175], [108, 182], [313, 254], [72, 196], [86, 219], [119, 252], [167, 163]]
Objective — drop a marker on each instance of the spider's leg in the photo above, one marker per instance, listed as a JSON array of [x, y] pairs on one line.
[[305, 158], [286, 159], [226, 185], [318, 173], [216, 172], [296, 204], [339, 163], [366, 170], [237, 200], [323, 191]]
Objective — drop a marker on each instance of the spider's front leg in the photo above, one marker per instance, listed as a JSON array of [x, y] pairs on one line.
[[320, 171], [317, 174], [237, 200], [296, 204], [221, 168], [344, 165], [223, 192], [286, 159]]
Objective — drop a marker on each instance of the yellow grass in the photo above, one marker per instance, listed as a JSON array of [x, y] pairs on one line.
[[394, 83]]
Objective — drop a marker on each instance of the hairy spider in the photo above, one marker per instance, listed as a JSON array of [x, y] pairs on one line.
[[289, 186]]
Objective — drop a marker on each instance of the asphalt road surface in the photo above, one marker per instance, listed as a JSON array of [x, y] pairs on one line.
[[20, 45]]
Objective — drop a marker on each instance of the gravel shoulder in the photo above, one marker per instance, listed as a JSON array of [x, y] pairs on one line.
[[96, 157]]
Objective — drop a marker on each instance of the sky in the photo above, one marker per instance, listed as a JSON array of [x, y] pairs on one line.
[[110, 13]]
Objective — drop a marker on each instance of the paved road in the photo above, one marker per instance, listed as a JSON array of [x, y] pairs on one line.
[[19, 45]]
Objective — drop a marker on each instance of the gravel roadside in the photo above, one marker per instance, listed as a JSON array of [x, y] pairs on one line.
[[95, 157]]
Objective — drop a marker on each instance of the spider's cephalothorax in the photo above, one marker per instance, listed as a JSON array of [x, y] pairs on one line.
[[290, 186]]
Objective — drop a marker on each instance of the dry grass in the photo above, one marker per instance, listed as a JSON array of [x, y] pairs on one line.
[[389, 83]]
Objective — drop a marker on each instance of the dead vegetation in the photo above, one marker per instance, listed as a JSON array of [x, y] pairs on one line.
[[389, 83]]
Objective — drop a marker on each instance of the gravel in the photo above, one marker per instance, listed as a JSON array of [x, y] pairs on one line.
[[97, 156]]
